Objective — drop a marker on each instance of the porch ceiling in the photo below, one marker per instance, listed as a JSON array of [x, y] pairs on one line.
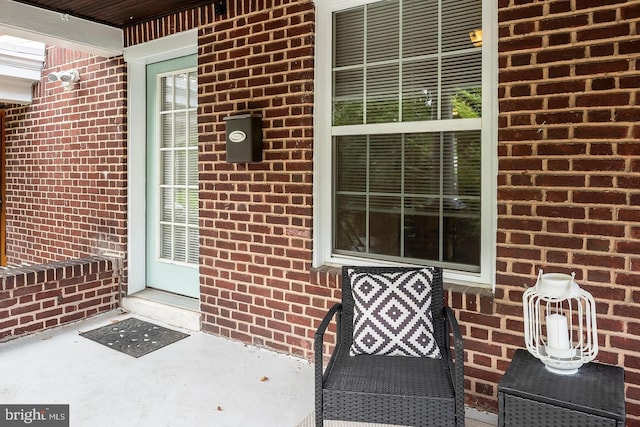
[[116, 14]]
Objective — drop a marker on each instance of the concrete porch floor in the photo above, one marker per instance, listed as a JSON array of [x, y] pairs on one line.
[[201, 380]]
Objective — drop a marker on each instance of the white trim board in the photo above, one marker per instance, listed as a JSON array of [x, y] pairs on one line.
[[57, 29]]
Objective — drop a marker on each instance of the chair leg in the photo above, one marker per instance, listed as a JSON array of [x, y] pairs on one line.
[[319, 410]]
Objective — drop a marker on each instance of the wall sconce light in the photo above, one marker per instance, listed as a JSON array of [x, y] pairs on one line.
[[66, 78], [560, 323], [476, 37]]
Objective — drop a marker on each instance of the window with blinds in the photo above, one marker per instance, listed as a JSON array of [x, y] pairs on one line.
[[179, 237], [406, 130]]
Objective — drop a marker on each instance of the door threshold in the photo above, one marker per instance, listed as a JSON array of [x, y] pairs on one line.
[[172, 309]]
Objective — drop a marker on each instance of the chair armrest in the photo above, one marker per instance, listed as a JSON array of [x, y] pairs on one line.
[[458, 366], [318, 340]]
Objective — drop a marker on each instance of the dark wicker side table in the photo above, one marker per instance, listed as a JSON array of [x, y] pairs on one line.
[[531, 396]]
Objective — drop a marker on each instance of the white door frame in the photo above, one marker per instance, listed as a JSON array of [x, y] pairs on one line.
[[137, 57]]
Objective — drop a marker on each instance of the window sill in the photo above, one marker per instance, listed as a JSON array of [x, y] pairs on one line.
[[468, 288], [455, 286]]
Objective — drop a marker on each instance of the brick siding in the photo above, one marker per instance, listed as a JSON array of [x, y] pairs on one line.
[[568, 184], [569, 178], [45, 296], [66, 164], [256, 218]]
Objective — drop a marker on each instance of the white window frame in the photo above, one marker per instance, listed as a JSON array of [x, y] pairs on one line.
[[323, 190]]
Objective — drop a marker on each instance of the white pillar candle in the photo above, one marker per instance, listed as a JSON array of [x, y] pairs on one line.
[[557, 335]]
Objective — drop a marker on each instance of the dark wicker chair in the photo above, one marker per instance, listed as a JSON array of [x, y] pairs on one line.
[[398, 390]]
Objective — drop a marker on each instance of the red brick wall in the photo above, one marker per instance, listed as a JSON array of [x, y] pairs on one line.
[[569, 160], [167, 25], [569, 179], [45, 296], [256, 218], [66, 164]]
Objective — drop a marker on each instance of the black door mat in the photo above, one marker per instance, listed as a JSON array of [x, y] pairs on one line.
[[134, 337]]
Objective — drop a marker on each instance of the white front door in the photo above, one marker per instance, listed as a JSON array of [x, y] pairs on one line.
[[172, 237]]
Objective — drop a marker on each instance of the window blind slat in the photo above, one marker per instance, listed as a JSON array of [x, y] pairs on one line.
[[193, 206], [193, 128], [349, 36], [193, 89], [193, 250], [382, 94], [180, 127], [192, 163], [459, 17], [422, 164], [166, 241], [464, 154], [351, 172], [180, 91], [420, 90], [383, 37], [408, 195], [180, 243], [166, 130], [166, 93], [166, 167], [166, 213], [419, 28], [348, 98], [385, 163], [179, 168]]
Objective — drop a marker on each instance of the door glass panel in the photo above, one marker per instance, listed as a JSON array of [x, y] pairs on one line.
[[166, 94], [180, 206], [167, 167], [193, 249], [193, 208], [166, 245], [193, 129], [181, 129], [179, 243], [166, 130], [179, 168], [192, 164], [193, 90], [166, 213], [181, 91]]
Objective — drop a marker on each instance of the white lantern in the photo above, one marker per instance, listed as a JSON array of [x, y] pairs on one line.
[[560, 323]]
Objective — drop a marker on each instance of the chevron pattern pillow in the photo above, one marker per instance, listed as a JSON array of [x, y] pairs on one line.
[[392, 314]]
